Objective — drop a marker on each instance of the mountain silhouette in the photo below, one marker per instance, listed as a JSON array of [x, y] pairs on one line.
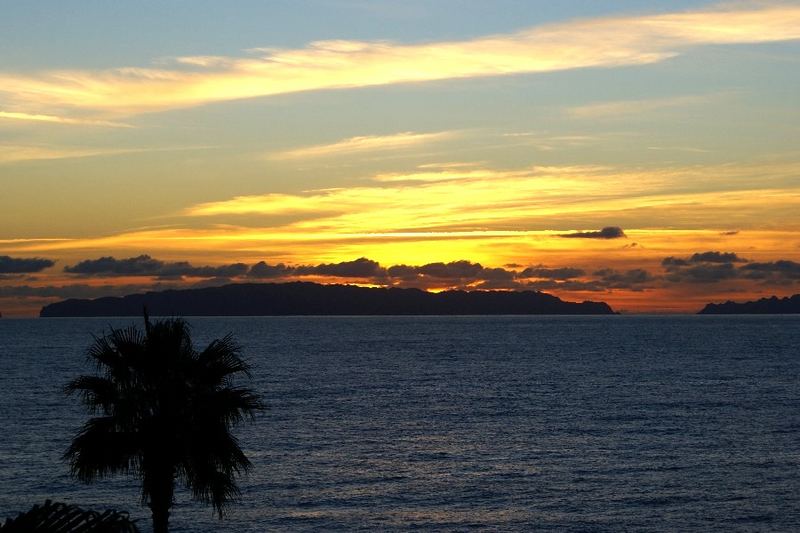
[[764, 306], [305, 298]]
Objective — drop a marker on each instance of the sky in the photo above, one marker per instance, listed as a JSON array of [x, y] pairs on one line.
[[640, 153]]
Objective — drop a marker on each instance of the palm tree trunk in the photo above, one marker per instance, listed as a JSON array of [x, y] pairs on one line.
[[160, 519], [161, 500]]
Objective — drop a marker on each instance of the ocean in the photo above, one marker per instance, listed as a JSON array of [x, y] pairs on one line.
[[595, 423]]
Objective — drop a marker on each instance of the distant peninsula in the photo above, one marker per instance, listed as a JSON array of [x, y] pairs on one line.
[[305, 298], [764, 306]]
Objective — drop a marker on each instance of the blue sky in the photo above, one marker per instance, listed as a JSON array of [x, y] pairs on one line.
[[97, 33]]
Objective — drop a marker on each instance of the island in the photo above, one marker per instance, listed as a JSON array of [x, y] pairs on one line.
[[306, 298], [764, 306]]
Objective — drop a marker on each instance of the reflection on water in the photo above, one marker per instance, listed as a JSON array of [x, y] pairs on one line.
[[502, 423]]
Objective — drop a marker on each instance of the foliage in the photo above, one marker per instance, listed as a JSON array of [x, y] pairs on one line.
[[62, 518]]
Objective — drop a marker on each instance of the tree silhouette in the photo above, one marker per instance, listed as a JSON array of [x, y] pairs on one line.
[[165, 413]]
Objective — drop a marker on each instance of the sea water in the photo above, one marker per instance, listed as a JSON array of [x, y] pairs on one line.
[[602, 423]]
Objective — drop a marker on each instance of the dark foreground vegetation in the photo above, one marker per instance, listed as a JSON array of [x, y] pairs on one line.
[[62, 518]]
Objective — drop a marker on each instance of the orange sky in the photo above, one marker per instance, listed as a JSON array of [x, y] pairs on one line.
[[505, 143]]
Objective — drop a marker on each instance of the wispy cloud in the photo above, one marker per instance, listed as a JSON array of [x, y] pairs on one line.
[[448, 174], [433, 200], [374, 143], [487, 199], [11, 153], [31, 117], [473, 209], [17, 153], [603, 42], [689, 149], [548, 143], [635, 107]]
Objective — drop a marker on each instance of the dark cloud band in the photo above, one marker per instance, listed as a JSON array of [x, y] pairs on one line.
[[144, 265], [18, 265], [609, 232]]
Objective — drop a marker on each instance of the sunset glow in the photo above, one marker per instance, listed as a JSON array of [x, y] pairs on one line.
[[644, 154]]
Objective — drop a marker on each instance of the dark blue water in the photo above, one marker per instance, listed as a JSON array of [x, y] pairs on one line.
[[462, 423]]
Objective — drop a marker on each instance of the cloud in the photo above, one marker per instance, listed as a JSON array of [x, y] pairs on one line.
[[359, 268], [702, 267], [10, 153], [609, 232], [354, 145], [702, 257], [689, 149], [447, 174], [497, 284], [548, 143], [628, 279], [774, 271], [702, 273], [454, 270], [144, 265], [262, 270], [716, 257], [436, 197], [605, 279], [551, 273], [18, 265], [338, 64], [455, 274], [674, 262], [471, 216], [567, 285], [638, 107], [32, 117], [712, 267], [469, 200], [134, 266]]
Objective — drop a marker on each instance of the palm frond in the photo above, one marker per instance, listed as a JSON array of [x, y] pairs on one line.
[[213, 482], [230, 405], [219, 489], [222, 358], [102, 448], [127, 341], [97, 393], [218, 450]]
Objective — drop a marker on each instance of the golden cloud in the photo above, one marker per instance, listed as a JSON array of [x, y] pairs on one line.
[[12, 153], [485, 199], [603, 42], [432, 212], [372, 143], [31, 117]]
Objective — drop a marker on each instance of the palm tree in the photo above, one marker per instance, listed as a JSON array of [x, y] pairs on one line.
[[165, 413]]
